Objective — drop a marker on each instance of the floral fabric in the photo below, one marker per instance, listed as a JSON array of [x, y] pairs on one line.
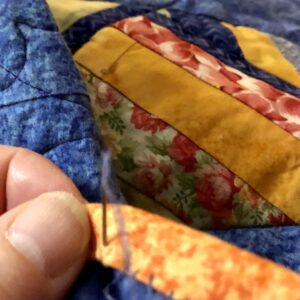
[[160, 162], [281, 108]]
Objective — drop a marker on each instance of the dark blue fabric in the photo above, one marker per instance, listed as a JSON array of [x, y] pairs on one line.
[[82, 30], [279, 17], [100, 283]]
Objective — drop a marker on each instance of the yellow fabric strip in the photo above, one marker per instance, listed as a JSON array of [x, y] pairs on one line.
[[258, 151], [67, 12], [260, 50], [139, 200], [192, 265]]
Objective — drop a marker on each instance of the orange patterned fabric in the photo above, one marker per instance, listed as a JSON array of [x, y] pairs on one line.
[[186, 263]]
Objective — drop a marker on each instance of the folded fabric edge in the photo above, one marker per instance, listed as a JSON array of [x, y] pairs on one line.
[[178, 260]]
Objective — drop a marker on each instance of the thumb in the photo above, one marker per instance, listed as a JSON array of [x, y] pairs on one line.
[[43, 246]]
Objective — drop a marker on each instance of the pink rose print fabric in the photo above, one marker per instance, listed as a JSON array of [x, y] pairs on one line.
[[183, 151], [279, 107], [215, 188], [143, 120]]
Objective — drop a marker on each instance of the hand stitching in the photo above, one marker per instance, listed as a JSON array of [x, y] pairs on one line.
[[25, 82], [60, 96]]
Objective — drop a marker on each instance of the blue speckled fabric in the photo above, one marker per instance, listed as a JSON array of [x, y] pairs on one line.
[[281, 244]]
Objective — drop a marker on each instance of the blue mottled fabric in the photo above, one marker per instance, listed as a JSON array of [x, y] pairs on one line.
[[281, 244]]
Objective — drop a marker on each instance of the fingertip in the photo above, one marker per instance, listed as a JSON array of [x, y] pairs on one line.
[[48, 239]]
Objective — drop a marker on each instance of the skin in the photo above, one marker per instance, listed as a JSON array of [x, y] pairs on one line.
[[25, 175]]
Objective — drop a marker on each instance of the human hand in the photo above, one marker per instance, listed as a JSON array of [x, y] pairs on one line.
[[44, 241]]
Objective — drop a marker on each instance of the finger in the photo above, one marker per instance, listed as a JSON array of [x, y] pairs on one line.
[[25, 175], [43, 246]]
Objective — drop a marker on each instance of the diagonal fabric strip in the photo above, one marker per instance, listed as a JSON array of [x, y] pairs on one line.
[[281, 108], [184, 262], [258, 151], [68, 12]]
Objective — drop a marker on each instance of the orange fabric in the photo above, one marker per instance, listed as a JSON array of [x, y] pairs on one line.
[[190, 264]]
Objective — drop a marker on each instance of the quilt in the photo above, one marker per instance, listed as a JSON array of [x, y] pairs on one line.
[[187, 115]]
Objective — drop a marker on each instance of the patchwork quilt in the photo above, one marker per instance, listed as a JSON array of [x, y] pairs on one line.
[[186, 114]]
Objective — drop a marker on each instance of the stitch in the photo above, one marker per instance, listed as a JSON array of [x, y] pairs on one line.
[[106, 290], [49, 96], [65, 142], [150, 285], [19, 34], [135, 273], [124, 239], [16, 24], [107, 70], [25, 82], [171, 294], [151, 279], [25, 60]]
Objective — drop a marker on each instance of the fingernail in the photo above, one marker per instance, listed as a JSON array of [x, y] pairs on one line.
[[51, 233]]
